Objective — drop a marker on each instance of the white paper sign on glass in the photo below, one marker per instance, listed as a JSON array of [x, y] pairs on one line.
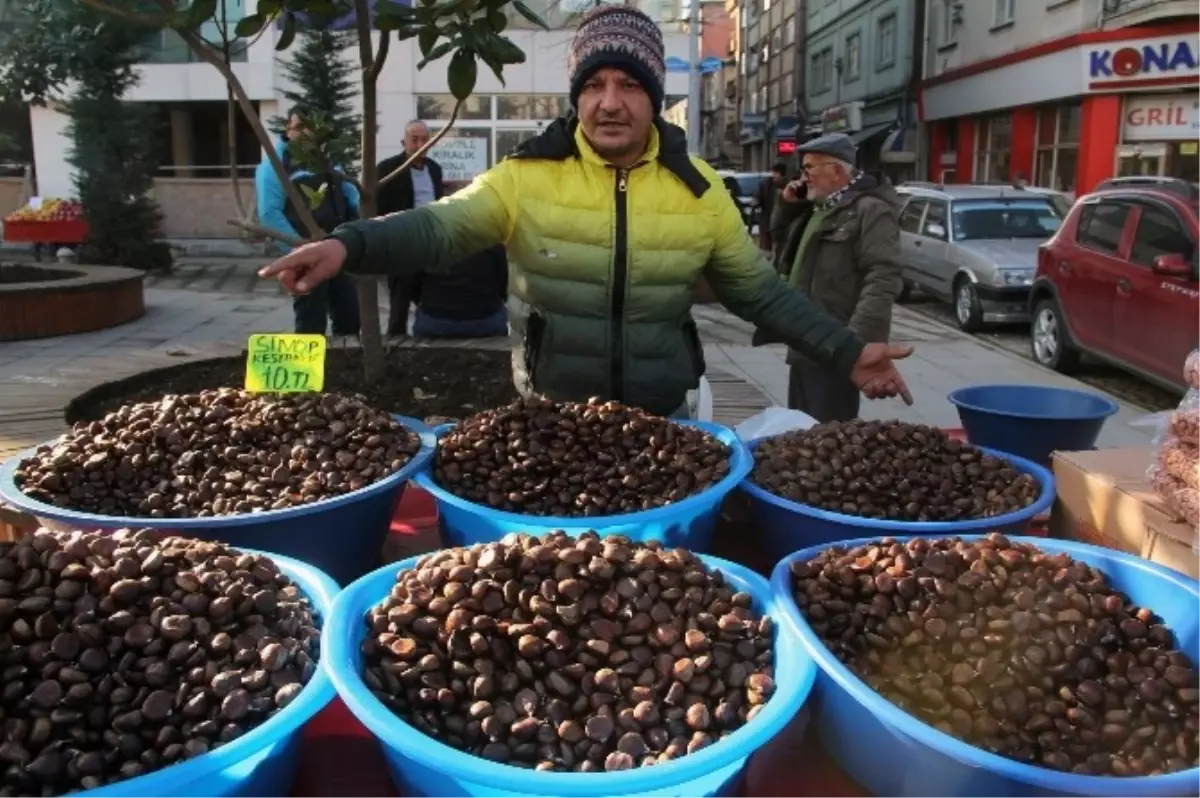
[[462, 158]]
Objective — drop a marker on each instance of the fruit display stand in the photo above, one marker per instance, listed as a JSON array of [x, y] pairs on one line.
[[56, 223]]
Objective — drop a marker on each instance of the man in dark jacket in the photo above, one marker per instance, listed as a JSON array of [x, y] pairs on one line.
[[841, 252], [768, 191], [467, 302], [421, 184]]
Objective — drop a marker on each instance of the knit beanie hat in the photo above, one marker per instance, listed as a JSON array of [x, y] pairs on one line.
[[621, 37]]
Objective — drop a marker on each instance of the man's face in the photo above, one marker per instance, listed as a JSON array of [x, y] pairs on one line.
[[823, 175], [777, 177], [295, 128], [616, 114], [416, 136]]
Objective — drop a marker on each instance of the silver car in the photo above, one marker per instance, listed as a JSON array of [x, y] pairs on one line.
[[975, 247]]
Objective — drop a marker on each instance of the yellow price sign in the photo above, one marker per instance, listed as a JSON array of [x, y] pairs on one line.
[[285, 363]]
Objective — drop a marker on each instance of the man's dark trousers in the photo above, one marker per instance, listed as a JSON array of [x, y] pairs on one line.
[[336, 299], [822, 394]]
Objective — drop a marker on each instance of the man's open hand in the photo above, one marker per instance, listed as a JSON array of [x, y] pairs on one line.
[[306, 267], [875, 374]]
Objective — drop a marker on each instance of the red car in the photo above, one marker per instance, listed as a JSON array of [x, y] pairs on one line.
[[1119, 281]]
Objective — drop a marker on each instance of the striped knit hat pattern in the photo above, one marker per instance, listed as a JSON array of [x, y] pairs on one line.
[[623, 38]]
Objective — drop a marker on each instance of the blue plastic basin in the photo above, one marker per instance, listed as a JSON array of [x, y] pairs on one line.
[[1031, 421], [890, 752], [688, 523], [421, 765], [342, 536], [784, 525], [264, 760]]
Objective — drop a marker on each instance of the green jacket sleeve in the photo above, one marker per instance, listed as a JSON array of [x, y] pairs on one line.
[[745, 282], [435, 237]]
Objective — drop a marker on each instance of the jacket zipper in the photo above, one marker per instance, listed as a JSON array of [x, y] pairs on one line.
[[620, 277]]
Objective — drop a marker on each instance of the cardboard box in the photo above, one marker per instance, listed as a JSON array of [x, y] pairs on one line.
[[1103, 498]]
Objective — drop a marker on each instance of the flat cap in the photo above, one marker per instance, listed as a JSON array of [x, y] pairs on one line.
[[835, 145]]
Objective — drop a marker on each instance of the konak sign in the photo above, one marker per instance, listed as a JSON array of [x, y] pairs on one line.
[[1142, 64]]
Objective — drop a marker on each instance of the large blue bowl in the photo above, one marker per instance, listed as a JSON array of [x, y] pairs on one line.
[[688, 523], [421, 765], [1031, 421], [783, 526], [890, 752], [264, 760], [342, 536]]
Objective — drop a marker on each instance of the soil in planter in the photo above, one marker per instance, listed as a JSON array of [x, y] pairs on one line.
[[430, 383], [11, 273]]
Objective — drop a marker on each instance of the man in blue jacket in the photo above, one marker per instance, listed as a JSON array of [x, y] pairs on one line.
[[335, 300]]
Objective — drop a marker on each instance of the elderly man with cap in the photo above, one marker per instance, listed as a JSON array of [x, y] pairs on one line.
[[608, 225], [841, 252]]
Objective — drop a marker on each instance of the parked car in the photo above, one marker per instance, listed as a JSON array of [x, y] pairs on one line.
[[1119, 281], [975, 247]]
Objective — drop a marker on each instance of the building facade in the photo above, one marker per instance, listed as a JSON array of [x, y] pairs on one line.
[[1061, 94], [767, 81], [190, 96], [861, 58]]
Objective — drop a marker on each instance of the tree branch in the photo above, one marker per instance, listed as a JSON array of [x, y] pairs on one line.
[[208, 55], [385, 40], [416, 156], [267, 232]]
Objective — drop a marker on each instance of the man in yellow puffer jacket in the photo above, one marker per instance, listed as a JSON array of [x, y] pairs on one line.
[[608, 224]]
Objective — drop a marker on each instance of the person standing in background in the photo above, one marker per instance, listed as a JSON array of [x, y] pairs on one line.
[[420, 184], [840, 251], [466, 302], [768, 192], [336, 300]]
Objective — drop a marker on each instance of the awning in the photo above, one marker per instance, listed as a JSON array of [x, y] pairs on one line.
[[871, 131], [787, 127], [893, 149]]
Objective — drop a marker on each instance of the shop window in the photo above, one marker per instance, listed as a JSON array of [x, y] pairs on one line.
[[508, 140], [1159, 232], [1101, 225], [910, 218], [853, 56], [440, 106], [993, 149], [1183, 161], [531, 106], [464, 154], [1057, 147]]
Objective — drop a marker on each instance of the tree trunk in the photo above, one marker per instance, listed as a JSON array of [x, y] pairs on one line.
[[369, 333]]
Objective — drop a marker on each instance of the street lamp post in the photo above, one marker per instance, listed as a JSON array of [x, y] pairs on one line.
[[693, 109]]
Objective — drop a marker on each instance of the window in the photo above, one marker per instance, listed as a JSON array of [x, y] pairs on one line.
[[992, 149], [531, 106], [983, 220], [1005, 11], [1159, 233], [773, 95], [1057, 147], [464, 154], [787, 92], [440, 106], [935, 215], [947, 29], [910, 219], [789, 31], [1101, 225], [507, 140], [885, 42], [822, 70], [853, 56]]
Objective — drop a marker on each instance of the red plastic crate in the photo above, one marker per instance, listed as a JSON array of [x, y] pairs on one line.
[[33, 231]]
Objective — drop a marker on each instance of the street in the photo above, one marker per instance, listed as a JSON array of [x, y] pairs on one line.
[[1015, 339]]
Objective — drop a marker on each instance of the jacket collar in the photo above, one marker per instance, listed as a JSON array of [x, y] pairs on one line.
[[564, 139]]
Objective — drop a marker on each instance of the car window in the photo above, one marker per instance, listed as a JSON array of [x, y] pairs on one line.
[[910, 218], [748, 183], [1159, 232], [1100, 226], [996, 219], [935, 215]]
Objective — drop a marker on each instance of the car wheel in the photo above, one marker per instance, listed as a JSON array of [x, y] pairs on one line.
[[1049, 340], [967, 311]]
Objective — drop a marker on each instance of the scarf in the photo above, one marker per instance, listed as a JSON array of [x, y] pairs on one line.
[[835, 197]]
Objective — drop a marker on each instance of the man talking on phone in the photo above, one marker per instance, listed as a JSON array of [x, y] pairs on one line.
[[841, 252]]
